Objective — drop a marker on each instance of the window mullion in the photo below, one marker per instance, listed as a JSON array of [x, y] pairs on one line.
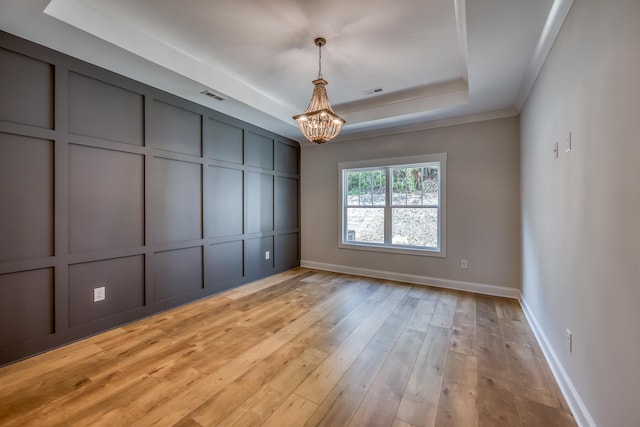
[[387, 206]]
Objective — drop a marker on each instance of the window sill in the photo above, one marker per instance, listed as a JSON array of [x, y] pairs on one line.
[[394, 249]]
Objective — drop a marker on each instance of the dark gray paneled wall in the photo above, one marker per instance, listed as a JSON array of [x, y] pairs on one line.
[[107, 182]]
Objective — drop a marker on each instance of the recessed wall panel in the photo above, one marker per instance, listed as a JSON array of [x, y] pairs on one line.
[[26, 85], [258, 150], [286, 203], [259, 207], [225, 263], [106, 199], [286, 251], [286, 158], [177, 200], [223, 141], [176, 129], [105, 111], [177, 272], [26, 207], [224, 201], [26, 306], [255, 259], [123, 280]]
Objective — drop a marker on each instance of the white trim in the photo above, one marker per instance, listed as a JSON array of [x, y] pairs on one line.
[[386, 163], [479, 288], [577, 406], [555, 19], [355, 134]]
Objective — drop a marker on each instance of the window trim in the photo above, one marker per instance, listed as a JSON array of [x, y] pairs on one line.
[[407, 161]]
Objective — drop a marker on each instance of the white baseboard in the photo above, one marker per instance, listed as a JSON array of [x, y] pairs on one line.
[[479, 288], [577, 406]]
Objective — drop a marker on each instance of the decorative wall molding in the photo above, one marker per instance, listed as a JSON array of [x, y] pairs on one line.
[[479, 288]]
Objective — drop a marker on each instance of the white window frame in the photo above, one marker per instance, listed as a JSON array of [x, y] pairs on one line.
[[410, 161]]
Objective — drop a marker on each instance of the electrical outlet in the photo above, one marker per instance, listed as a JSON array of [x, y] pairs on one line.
[[266, 255], [569, 339], [99, 294], [464, 263]]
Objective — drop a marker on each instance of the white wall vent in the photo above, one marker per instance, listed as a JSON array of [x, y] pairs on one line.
[[214, 95], [373, 91]]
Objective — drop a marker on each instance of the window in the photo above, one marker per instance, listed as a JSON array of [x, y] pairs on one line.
[[394, 205]]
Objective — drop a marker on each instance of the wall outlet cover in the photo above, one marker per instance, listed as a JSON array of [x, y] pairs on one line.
[[99, 294]]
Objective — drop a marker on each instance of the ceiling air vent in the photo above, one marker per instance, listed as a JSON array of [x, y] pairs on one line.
[[214, 95], [373, 91]]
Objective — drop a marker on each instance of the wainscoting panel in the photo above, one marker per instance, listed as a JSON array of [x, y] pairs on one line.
[[287, 251], [224, 262], [106, 199], [286, 158], [27, 306], [257, 263], [26, 189], [224, 201], [176, 129], [177, 200], [26, 85], [123, 278], [177, 272], [258, 151], [107, 182], [259, 202], [286, 194], [223, 141], [105, 111]]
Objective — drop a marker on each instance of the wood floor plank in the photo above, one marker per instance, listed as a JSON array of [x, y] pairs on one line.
[[328, 339], [299, 348], [458, 400], [379, 406], [421, 318], [259, 407], [391, 329], [463, 330], [342, 401], [293, 412], [400, 423], [12, 376], [222, 404], [419, 404], [535, 414], [253, 287], [145, 400], [318, 385], [445, 310], [496, 400], [529, 381]]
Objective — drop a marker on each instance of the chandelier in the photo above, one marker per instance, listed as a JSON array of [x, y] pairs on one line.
[[319, 123]]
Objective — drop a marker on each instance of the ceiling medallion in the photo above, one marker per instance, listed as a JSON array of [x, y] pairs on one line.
[[319, 123]]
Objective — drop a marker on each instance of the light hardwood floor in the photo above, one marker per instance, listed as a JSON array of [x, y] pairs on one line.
[[300, 348]]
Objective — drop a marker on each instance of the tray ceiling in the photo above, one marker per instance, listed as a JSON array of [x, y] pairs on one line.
[[436, 61]]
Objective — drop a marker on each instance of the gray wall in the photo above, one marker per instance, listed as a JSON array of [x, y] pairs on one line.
[[581, 239], [108, 182], [483, 210]]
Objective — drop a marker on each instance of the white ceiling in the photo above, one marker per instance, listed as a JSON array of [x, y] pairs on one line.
[[437, 61]]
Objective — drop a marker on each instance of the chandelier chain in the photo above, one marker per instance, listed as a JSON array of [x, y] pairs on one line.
[[320, 61]]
